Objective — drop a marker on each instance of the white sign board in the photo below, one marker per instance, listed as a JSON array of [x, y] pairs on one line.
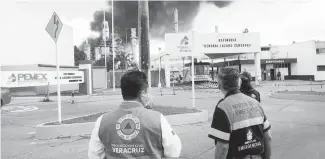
[[54, 27], [39, 78], [202, 78], [67, 77], [179, 44], [242, 57], [198, 44], [227, 43]]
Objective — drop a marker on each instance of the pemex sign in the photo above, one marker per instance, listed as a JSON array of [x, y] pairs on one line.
[[39, 78]]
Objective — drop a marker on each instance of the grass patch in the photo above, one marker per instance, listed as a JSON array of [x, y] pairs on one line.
[[303, 93], [63, 93], [165, 110]]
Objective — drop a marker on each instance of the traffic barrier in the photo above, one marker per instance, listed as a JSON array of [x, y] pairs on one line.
[[47, 95], [208, 85], [161, 92], [72, 97], [174, 89]]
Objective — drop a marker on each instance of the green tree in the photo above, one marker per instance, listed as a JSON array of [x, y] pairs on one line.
[[125, 60], [78, 55], [120, 54], [109, 62]]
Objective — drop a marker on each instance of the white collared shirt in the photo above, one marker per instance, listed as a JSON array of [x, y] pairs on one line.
[[171, 142]]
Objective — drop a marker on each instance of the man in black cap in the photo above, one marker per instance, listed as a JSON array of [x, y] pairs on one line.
[[132, 131], [239, 126]]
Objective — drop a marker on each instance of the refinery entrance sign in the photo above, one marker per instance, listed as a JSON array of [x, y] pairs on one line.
[[228, 43], [198, 44]]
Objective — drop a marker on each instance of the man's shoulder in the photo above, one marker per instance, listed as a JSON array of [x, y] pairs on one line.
[[240, 98], [253, 91], [152, 114], [151, 111], [106, 115], [236, 96], [221, 100]]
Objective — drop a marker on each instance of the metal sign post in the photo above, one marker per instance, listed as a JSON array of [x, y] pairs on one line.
[[113, 45], [54, 28], [193, 84]]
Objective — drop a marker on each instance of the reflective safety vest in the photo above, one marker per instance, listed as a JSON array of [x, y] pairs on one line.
[[240, 120], [131, 131]]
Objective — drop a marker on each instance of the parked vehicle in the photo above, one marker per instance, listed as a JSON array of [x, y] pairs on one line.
[[201, 73], [5, 96]]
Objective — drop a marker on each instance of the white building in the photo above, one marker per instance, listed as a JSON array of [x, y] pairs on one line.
[[27, 46], [301, 61]]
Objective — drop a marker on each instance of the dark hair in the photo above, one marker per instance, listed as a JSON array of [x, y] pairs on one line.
[[246, 82], [246, 76], [246, 86], [228, 78], [132, 84]]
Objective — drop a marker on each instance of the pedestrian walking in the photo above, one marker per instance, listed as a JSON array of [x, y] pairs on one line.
[[132, 131], [240, 128], [279, 75], [247, 88]]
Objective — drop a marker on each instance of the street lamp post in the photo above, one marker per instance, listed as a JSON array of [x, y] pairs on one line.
[[105, 31], [183, 58], [159, 83], [113, 45]]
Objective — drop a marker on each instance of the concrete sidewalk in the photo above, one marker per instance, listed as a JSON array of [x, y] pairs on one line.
[[107, 94], [298, 129], [290, 83]]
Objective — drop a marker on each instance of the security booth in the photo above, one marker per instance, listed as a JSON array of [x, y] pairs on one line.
[[271, 67], [86, 87]]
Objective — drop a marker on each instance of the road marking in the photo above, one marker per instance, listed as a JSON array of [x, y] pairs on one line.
[[36, 143], [20, 109]]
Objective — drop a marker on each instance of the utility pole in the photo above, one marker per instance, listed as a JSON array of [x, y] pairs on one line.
[[144, 46], [239, 65], [159, 53], [183, 58], [176, 31]]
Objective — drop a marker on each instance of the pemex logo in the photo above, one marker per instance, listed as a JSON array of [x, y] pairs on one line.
[[184, 41], [12, 78], [249, 135]]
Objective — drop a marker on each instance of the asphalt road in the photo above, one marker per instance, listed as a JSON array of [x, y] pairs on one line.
[[298, 127]]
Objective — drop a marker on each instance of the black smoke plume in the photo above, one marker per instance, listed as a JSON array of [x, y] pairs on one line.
[[160, 16]]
